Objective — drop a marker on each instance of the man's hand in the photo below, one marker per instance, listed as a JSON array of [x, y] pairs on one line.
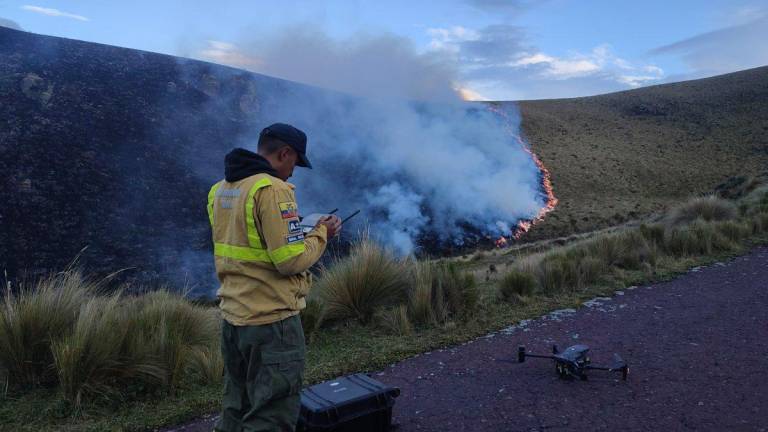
[[332, 225]]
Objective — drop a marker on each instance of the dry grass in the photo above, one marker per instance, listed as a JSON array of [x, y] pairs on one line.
[[439, 292], [32, 318], [395, 320], [708, 208], [64, 333], [627, 155], [356, 286], [101, 355], [699, 227], [120, 348], [516, 285], [312, 315]]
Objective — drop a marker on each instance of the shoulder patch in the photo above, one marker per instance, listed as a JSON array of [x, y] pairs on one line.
[[295, 238], [288, 210], [294, 226]]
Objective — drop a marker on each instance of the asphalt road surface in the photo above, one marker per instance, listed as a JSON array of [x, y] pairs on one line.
[[697, 348]]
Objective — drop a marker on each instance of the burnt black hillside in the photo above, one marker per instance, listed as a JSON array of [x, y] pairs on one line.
[[113, 149]]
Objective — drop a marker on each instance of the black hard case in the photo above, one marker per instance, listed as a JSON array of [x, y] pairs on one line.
[[353, 403]]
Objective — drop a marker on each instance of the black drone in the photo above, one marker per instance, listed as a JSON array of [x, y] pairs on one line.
[[574, 362]]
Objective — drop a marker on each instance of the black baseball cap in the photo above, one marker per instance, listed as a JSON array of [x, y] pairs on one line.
[[291, 136]]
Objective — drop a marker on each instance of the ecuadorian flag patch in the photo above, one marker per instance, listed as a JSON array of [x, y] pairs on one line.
[[288, 210]]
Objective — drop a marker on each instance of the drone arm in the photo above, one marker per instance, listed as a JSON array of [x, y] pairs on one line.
[[624, 369], [539, 356]]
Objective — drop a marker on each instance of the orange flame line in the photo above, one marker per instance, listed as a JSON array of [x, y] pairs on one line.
[[524, 225]]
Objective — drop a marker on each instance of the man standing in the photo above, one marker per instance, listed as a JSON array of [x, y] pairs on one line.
[[262, 261]]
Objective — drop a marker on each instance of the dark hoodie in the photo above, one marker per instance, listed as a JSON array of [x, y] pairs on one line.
[[241, 163]]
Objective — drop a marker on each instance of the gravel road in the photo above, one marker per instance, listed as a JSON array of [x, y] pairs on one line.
[[697, 348]]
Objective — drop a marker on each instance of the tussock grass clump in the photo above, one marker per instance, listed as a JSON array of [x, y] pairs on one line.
[[516, 285], [206, 365], [699, 238], [395, 320], [33, 317], [426, 299], [653, 233], [708, 208], [172, 328], [357, 285], [439, 292], [735, 231], [755, 202], [65, 333], [312, 316], [99, 358]]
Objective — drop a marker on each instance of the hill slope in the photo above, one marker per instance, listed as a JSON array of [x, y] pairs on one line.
[[116, 148], [626, 154]]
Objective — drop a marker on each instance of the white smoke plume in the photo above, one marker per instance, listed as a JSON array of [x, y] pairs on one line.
[[412, 156]]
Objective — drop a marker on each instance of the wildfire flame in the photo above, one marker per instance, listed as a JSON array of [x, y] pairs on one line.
[[524, 225]]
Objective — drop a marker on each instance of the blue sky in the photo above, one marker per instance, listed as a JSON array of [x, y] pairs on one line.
[[490, 49]]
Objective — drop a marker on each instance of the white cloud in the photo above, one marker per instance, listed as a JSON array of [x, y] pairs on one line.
[[558, 68], [448, 39], [53, 12], [600, 61], [498, 61]]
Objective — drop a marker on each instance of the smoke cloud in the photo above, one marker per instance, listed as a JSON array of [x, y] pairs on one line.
[[4, 22], [417, 160], [383, 66]]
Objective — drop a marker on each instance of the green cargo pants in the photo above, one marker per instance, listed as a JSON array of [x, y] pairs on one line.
[[263, 373]]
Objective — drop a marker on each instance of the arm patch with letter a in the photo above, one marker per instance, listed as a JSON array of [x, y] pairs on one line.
[[294, 226]]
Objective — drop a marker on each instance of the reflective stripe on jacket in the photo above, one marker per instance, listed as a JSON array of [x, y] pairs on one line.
[[262, 258]]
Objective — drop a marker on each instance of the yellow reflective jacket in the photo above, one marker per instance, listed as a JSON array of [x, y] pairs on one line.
[[262, 257]]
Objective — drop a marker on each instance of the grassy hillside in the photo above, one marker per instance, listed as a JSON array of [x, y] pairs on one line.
[[623, 155]]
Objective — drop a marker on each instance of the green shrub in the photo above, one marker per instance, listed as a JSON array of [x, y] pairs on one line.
[[32, 318], [708, 208], [516, 285], [355, 286]]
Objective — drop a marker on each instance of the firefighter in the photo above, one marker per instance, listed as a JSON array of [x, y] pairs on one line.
[[262, 260]]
